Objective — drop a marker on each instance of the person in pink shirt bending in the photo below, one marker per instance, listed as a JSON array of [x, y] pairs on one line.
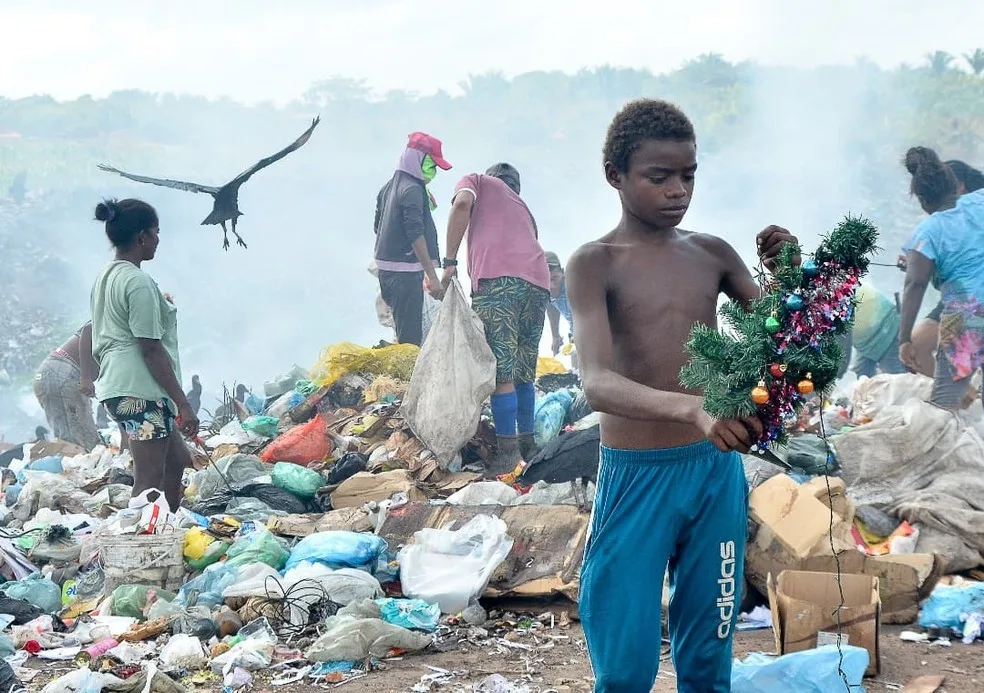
[[510, 293]]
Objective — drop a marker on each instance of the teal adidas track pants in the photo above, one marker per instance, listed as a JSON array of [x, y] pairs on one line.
[[685, 508]]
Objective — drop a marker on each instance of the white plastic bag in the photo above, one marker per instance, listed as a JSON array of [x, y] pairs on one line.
[[453, 376], [872, 395], [253, 580], [484, 493], [451, 568], [347, 638], [344, 585], [155, 515], [251, 654], [79, 681], [184, 651]]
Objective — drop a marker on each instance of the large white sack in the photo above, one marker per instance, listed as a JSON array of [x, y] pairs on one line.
[[923, 464], [453, 376]]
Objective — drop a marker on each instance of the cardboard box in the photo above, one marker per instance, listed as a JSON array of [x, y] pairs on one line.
[[791, 514], [363, 487], [791, 531], [805, 609], [353, 519], [837, 498], [547, 551]]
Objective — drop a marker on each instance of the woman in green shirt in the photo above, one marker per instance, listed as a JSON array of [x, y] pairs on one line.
[[135, 343]]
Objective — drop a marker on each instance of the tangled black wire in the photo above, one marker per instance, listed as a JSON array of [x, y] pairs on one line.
[[307, 596]]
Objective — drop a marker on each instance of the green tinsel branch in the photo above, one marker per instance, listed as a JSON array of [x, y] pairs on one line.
[[727, 365]]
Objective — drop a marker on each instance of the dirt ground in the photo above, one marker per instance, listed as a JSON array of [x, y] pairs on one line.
[[546, 658], [562, 666]]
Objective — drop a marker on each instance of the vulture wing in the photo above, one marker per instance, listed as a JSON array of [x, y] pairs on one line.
[[167, 183], [263, 163]]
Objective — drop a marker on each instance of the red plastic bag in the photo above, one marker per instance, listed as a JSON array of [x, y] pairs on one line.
[[302, 444]]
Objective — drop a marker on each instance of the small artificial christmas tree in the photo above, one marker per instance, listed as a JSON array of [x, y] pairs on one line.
[[785, 348]]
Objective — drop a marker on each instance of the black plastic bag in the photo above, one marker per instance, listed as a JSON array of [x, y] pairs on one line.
[[551, 382], [8, 681], [277, 498], [21, 610], [350, 464]]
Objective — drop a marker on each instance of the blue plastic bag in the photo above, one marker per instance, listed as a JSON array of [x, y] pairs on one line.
[[206, 589], [549, 416], [809, 671], [945, 604], [412, 614], [254, 405], [338, 549], [51, 464], [11, 493]]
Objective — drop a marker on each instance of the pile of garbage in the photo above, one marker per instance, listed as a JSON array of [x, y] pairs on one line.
[[869, 523], [317, 536], [334, 522]]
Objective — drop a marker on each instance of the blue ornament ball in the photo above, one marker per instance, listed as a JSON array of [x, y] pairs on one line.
[[794, 302], [810, 268]]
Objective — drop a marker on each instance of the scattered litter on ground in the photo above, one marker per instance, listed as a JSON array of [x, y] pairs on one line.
[[320, 541]]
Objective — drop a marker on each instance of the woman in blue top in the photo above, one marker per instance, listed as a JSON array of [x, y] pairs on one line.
[[949, 245], [926, 334]]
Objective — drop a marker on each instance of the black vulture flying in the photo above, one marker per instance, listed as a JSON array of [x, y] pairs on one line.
[[573, 457], [226, 205]]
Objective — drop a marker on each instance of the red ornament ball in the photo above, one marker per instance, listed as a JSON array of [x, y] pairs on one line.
[[778, 370]]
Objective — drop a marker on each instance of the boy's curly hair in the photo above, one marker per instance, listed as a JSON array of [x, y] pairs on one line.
[[644, 119]]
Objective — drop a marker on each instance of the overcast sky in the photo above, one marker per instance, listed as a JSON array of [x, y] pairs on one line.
[[255, 49]]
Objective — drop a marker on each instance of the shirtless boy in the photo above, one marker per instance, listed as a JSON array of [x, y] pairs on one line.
[[671, 486]]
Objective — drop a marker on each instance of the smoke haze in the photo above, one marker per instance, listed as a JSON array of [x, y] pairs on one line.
[[791, 131]]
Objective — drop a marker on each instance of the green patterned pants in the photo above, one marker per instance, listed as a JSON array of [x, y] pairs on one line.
[[512, 311]]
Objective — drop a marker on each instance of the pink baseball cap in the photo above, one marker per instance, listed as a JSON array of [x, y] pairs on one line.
[[423, 142]]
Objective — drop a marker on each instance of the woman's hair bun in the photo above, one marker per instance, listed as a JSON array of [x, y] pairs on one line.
[[106, 210], [921, 158]]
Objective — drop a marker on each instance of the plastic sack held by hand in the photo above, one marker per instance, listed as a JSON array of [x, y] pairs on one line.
[[454, 375], [302, 444], [451, 568]]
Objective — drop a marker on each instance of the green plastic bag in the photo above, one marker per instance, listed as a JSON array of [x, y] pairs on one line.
[[259, 546], [300, 481], [265, 426], [213, 554], [39, 591], [130, 600]]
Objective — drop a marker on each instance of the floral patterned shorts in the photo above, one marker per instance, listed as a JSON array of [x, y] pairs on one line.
[[141, 419]]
